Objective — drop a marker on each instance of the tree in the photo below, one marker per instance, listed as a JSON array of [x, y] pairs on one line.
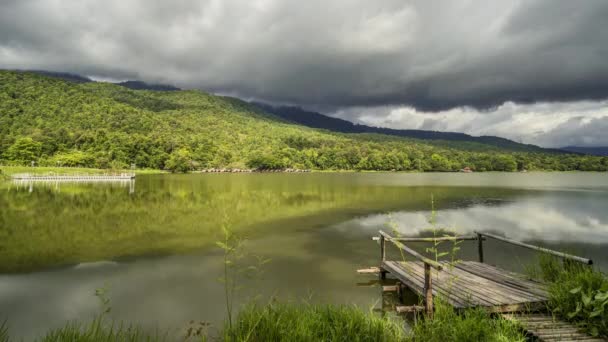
[[24, 151], [440, 163], [266, 162], [504, 162], [180, 160]]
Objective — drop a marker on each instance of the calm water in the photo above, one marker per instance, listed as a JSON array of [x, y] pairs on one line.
[[152, 242]]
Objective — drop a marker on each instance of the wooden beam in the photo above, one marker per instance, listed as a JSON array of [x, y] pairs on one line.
[[406, 309], [480, 246], [540, 249], [370, 270], [430, 239], [382, 255], [441, 238], [428, 290], [433, 263], [389, 288], [382, 248]]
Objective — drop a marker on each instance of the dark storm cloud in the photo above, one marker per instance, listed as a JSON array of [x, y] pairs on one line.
[[427, 54]]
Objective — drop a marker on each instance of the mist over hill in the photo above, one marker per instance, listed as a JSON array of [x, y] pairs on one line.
[[318, 120]]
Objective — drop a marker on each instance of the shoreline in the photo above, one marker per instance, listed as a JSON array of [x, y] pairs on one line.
[[9, 171]]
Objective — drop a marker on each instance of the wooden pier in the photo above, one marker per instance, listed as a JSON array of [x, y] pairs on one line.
[[468, 284], [74, 177]]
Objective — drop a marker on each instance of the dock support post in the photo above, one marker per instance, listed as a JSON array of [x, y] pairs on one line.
[[382, 256], [480, 247], [428, 290]]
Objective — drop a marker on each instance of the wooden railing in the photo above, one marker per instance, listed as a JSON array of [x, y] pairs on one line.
[[428, 263], [562, 255]]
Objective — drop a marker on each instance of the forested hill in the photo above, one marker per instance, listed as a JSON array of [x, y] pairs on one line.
[[318, 120], [55, 122]]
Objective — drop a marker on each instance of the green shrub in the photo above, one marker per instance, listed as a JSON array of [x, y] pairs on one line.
[[577, 293], [180, 160], [266, 162]]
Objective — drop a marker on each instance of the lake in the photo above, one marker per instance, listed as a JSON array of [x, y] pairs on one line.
[[151, 243]]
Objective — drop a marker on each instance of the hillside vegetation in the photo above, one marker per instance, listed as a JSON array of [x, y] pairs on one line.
[[54, 122]]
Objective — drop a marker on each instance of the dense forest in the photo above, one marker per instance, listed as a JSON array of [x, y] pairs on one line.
[[54, 122]]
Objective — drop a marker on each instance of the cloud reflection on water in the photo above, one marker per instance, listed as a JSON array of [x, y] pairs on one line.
[[576, 219]]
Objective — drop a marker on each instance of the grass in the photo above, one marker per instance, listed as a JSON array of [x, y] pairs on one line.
[[469, 325], [98, 331], [74, 332], [577, 293], [3, 332], [312, 322], [308, 322]]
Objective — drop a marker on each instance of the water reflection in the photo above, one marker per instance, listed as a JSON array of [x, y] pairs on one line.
[[56, 184], [552, 218]]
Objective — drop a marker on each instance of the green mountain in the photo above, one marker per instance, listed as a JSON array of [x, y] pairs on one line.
[[54, 122], [318, 120]]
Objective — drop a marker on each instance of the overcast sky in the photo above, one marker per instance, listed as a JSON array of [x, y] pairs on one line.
[[531, 70]]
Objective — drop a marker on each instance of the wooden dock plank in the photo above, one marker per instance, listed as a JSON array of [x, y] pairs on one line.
[[547, 328], [470, 285], [452, 283], [509, 278], [415, 282], [514, 294]]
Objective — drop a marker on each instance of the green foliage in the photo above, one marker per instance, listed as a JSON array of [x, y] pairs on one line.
[[469, 325], [577, 293], [51, 121], [72, 158], [309, 322], [23, 151], [180, 160], [267, 162]]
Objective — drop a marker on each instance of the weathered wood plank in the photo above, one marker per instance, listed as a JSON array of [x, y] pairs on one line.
[[451, 284], [547, 328], [407, 309], [514, 295], [519, 287], [389, 288], [441, 238], [416, 270], [482, 289], [369, 270], [509, 278], [415, 282], [466, 289]]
